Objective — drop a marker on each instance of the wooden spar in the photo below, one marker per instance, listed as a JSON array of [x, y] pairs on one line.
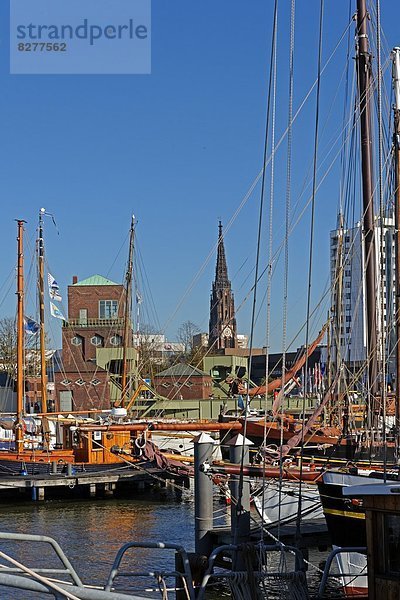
[[264, 471], [365, 91], [298, 437], [40, 251], [396, 144], [127, 314], [273, 385], [235, 425], [20, 337]]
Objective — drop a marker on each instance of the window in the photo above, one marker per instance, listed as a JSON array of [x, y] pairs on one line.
[[97, 340], [83, 316], [116, 340], [108, 309], [392, 544], [66, 401], [80, 382], [95, 381], [76, 340], [66, 382]]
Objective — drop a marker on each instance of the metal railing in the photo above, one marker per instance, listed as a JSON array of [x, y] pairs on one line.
[[339, 576], [76, 323], [42, 580], [185, 577]]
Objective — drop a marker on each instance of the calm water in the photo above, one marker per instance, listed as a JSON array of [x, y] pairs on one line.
[[91, 532]]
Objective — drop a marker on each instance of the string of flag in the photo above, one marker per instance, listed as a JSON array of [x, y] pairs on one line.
[[54, 293]]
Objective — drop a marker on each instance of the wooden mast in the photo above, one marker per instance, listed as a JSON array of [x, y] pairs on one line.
[[40, 250], [396, 144], [19, 438], [127, 314], [365, 90]]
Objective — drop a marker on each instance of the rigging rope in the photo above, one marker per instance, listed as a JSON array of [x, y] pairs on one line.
[[272, 70], [270, 246], [287, 227], [314, 188]]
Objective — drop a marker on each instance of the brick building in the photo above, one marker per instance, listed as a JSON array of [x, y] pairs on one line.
[[183, 382], [92, 346]]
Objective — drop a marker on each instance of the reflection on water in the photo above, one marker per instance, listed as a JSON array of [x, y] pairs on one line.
[[91, 533]]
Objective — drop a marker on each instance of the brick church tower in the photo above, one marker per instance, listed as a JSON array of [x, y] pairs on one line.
[[222, 325]]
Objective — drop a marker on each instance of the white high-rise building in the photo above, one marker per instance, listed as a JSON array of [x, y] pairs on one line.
[[350, 313]]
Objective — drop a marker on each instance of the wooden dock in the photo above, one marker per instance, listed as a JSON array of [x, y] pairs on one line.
[[38, 487]]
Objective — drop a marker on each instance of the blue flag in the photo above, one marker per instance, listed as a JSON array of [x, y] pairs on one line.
[[31, 327]]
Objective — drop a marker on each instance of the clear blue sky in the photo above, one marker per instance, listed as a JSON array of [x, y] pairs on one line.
[[179, 148]]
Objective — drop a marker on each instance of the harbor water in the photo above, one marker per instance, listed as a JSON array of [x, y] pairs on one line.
[[91, 532]]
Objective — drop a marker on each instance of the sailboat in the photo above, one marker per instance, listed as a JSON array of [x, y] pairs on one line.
[[345, 516], [371, 455]]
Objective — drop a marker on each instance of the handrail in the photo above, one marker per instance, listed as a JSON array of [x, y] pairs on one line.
[[186, 575], [329, 560], [25, 537]]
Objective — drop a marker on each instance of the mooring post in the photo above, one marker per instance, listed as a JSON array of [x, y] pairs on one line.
[[203, 495], [240, 499]]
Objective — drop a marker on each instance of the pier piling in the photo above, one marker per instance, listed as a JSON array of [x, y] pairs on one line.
[[203, 495], [240, 499]]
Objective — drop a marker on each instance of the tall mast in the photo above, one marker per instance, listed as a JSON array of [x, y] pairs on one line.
[[364, 90], [396, 143], [20, 337], [127, 314], [43, 377]]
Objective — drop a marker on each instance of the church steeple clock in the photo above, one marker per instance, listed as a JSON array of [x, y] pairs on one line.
[[222, 326]]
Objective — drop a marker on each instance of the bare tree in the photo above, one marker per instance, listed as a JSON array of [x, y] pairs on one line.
[[185, 335], [8, 349], [8, 346], [147, 343]]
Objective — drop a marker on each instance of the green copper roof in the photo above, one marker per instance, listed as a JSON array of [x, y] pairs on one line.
[[182, 370], [96, 280]]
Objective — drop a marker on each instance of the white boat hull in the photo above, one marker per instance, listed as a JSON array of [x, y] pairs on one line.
[[279, 502]]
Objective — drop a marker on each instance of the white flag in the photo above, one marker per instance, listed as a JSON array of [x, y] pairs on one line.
[[54, 290], [56, 312]]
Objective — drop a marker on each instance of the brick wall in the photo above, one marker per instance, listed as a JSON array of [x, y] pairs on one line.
[[88, 296], [79, 359]]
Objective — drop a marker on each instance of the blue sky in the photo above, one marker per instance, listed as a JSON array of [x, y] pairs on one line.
[[178, 148]]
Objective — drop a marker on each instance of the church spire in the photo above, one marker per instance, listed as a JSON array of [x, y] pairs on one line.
[[221, 270], [222, 325]]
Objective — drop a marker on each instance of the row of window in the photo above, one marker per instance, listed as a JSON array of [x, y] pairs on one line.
[[188, 384], [80, 382], [97, 340]]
